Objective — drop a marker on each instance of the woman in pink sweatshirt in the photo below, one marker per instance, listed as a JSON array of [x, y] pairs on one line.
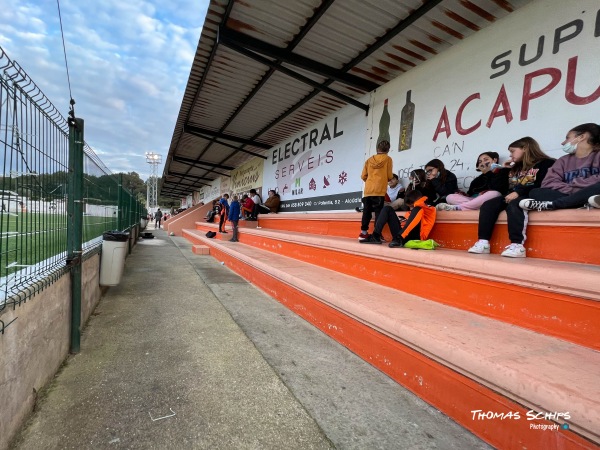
[[574, 179]]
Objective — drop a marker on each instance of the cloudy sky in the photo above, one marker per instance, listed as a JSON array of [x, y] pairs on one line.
[[129, 64]]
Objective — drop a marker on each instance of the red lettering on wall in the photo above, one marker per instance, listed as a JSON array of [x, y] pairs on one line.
[[443, 125], [463, 131], [570, 94], [528, 95], [501, 102]]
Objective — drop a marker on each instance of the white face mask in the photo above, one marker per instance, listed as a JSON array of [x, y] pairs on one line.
[[569, 148]]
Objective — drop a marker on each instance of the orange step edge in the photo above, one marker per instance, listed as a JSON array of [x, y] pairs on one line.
[[544, 240], [452, 393], [554, 314]]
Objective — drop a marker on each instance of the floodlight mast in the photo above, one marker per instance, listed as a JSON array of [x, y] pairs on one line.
[[154, 159]]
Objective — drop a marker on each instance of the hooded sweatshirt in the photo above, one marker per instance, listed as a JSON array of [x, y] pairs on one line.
[[376, 174], [426, 216], [570, 174]]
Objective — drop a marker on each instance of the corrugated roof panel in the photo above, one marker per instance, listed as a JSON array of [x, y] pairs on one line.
[[255, 18], [337, 33]]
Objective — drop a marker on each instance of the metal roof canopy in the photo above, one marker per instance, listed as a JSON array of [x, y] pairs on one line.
[[265, 70]]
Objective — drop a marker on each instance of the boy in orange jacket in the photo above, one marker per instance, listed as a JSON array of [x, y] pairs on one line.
[[376, 174], [416, 225]]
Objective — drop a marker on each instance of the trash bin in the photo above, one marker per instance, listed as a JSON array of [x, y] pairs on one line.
[[143, 223], [112, 262]]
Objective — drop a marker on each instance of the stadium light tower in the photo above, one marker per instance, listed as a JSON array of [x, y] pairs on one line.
[[154, 159]]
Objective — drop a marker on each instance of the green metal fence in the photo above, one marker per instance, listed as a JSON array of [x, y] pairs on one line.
[[34, 186]]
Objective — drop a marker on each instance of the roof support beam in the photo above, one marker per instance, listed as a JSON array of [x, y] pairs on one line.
[[171, 174], [194, 162], [400, 26], [228, 36], [295, 75], [204, 131], [225, 144]]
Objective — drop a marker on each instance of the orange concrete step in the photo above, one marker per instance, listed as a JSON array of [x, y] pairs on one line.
[[567, 235], [200, 249], [555, 298], [458, 361]]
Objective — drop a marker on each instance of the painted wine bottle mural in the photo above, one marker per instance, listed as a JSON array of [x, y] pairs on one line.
[[384, 124], [407, 121]]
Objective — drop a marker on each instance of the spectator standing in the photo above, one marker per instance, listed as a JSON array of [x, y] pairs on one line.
[[234, 217], [157, 218], [224, 212], [376, 173]]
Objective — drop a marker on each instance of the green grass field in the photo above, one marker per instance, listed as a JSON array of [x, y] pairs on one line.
[[28, 238]]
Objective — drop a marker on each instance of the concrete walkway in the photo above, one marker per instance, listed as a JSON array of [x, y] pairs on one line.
[[186, 354]]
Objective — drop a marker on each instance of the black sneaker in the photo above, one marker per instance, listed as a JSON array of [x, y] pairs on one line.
[[372, 239], [358, 209], [535, 205], [396, 243], [224, 232]]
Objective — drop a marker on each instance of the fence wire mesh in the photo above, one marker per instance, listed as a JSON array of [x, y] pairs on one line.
[[34, 143]]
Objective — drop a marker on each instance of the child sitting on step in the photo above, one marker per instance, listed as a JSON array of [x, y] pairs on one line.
[[492, 183], [414, 225], [574, 179], [529, 169]]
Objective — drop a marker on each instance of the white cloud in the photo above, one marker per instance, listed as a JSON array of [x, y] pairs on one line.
[[128, 62]]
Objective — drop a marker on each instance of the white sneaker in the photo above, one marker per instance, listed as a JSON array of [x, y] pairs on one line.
[[514, 251], [446, 207], [594, 201], [480, 247]]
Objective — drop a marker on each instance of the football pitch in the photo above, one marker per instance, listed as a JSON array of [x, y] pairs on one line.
[[29, 238]]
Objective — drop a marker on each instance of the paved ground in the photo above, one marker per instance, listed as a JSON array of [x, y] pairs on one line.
[[186, 354]]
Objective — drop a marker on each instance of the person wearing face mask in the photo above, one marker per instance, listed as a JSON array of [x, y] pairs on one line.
[[528, 166], [492, 183], [442, 181], [574, 179]]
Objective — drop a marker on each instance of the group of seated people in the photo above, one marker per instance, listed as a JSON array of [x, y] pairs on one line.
[[529, 180], [250, 206]]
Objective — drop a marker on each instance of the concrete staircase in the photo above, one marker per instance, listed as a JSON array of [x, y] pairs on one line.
[[507, 348]]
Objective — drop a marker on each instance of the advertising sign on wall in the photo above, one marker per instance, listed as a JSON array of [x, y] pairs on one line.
[[212, 191], [319, 168], [247, 176], [534, 73]]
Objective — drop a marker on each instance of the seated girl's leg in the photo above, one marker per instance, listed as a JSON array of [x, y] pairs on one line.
[[517, 222], [488, 215], [578, 199], [457, 199], [545, 194], [472, 204]]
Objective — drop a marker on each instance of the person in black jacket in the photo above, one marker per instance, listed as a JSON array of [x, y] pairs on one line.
[[492, 183], [528, 166], [442, 181], [417, 181]]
